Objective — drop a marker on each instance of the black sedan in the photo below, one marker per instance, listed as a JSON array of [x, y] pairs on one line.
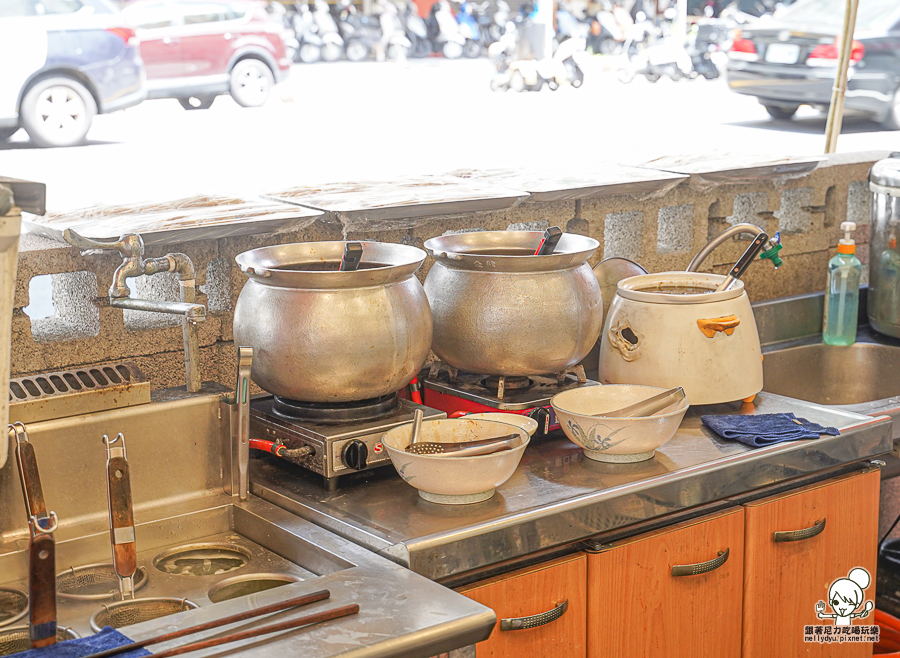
[[792, 60]]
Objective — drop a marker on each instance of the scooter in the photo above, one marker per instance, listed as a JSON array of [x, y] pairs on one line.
[[361, 33], [706, 38], [328, 31], [652, 56], [394, 43], [530, 74], [469, 29], [416, 31], [309, 49], [443, 30]]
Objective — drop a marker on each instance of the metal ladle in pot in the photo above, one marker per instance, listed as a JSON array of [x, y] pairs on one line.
[[743, 262]]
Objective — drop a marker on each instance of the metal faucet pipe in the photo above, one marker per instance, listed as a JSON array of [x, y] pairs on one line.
[[733, 231], [131, 247]]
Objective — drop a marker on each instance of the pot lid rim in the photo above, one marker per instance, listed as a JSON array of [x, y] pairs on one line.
[[628, 288]]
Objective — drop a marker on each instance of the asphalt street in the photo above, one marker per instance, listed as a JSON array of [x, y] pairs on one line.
[[345, 121]]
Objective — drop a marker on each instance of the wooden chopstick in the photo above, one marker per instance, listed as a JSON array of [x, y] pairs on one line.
[[295, 602], [325, 615]]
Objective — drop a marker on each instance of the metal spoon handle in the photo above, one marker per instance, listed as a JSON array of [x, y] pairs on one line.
[[647, 407]]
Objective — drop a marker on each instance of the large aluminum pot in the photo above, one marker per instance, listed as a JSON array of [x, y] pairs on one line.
[[500, 310], [672, 329], [330, 336]]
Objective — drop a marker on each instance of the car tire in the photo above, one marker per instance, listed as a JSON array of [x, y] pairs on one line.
[[250, 82], [357, 51], [309, 53], [200, 103], [57, 112], [6, 133], [781, 112], [891, 119]]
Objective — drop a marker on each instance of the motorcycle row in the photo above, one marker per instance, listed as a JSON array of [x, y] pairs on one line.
[[393, 31]]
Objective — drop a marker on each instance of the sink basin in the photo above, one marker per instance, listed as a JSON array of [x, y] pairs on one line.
[[826, 374]]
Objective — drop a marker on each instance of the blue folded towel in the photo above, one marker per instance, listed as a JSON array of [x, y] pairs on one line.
[[765, 429], [105, 639]]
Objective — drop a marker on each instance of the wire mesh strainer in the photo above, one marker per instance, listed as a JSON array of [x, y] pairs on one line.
[[93, 582], [134, 611], [13, 605], [14, 640]]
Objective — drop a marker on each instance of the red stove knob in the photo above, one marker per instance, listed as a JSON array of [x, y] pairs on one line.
[[354, 454], [542, 416]]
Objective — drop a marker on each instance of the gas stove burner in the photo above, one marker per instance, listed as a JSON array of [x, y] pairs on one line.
[[499, 384], [335, 413]]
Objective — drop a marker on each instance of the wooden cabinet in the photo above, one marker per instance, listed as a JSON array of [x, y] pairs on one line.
[[637, 605], [530, 592], [784, 579]]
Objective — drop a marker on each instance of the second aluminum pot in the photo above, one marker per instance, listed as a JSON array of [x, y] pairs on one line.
[[320, 335], [500, 310]]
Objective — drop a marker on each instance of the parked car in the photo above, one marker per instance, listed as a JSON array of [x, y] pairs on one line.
[[63, 62], [791, 61], [195, 50]]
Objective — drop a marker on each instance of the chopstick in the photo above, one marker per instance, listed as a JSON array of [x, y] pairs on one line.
[[325, 615], [295, 602]]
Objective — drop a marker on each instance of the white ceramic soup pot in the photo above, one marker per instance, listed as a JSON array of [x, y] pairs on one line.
[[672, 329]]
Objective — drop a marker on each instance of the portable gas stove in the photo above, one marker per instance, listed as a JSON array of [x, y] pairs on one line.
[[333, 439], [458, 393]]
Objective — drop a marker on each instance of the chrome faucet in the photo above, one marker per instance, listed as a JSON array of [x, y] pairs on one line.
[[131, 247], [770, 249]]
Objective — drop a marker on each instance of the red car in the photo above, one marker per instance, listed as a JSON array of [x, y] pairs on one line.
[[195, 50]]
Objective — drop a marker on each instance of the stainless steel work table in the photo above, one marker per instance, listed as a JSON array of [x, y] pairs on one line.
[[557, 496]]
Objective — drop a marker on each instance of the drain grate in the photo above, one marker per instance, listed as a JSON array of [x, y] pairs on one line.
[[71, 392], [203, 559], [13, 605], [93, 582]]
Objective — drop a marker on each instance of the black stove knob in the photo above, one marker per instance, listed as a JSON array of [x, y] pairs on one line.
[[354, 454], [542, 416]]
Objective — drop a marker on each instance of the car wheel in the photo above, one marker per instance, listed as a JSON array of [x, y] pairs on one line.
[[782, 112], [357, 51], [331, 52], [891, 120], [6, 133], [57, 112], [309, 53], [197, 103], [251, 82], [452, 50]]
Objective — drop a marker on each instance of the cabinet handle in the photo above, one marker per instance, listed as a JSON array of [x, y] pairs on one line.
[[798, 535], [521, 623], [701, 567]]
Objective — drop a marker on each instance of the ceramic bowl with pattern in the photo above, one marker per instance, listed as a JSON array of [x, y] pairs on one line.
[[455, 480], [609, 439]]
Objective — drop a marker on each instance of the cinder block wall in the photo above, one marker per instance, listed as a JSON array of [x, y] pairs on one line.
[[662, 232]]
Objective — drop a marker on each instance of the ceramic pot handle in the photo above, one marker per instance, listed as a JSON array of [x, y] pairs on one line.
[[727, 324]]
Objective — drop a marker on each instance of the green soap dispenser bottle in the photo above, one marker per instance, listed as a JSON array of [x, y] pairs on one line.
[[842, 295]]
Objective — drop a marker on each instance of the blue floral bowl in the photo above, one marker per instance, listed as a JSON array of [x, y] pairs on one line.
[[608, 439]]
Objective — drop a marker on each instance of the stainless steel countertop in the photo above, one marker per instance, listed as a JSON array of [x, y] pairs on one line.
[[557, 496]]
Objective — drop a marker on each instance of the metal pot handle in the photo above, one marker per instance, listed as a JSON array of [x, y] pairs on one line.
[[727, 324]]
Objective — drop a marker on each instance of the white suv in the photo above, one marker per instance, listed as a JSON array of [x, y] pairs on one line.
[[65, 61]]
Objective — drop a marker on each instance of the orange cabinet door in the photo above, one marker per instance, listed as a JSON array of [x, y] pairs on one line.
[[823, 532], [528, 604], [670, 593]]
